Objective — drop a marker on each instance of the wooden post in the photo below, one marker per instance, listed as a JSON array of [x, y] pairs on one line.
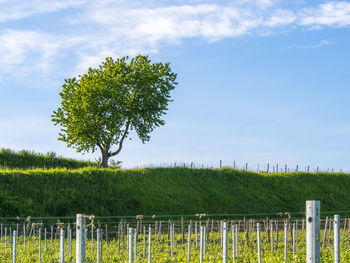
[[313, 231]]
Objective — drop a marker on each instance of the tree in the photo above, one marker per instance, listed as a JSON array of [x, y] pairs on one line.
[[100, 108]]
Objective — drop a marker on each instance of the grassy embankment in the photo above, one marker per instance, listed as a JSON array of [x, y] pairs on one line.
[[59, 192]]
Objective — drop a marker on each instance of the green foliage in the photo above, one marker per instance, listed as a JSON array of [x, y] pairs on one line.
[[100, 108], [28, 159], [60, 192], [114, 251]]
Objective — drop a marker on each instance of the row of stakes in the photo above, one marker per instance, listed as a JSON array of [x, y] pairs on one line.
[[312, 240]]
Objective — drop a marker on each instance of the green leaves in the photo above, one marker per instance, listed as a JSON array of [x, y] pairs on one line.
[[101, 107]]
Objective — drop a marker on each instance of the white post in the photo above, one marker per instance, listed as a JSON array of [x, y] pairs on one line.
[[6, 237], [62, 246], [313, 210], [144, 241], [224, 243], [233, 243], [237, 230], [189, 244], [70, 244], [51, 236], [171, 240], [39, 245], [336, 239], [92, 237], [14, 246], [272, 246], [259, 245], [45, 245], [135, 245], [201, 244], [24, 237], [130, 242], [149, 244], [80, 235], [285, 241], [293, 240], [98, 243]]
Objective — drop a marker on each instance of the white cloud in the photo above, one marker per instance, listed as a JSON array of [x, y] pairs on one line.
[[18, 9], [329, 14], [118, 28]]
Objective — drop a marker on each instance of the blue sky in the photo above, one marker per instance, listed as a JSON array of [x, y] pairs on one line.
[[260, 81]]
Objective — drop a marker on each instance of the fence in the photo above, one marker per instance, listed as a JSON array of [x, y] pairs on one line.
[[188, 238], [259, 168]]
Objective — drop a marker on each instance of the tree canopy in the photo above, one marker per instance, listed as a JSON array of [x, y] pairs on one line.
[[100, 108]]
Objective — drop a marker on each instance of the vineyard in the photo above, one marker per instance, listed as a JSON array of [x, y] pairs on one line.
[[148, 240]]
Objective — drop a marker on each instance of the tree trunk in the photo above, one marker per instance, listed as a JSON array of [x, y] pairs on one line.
[[105, 157]]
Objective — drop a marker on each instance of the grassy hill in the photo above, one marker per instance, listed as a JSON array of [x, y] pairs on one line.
[[28, 160], [59, 192]]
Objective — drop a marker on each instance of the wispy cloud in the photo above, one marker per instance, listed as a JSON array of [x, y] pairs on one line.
[[114, 28], [18, 9], [319, 44]]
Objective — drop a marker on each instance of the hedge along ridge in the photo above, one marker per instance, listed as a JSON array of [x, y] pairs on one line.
[[63, 192]]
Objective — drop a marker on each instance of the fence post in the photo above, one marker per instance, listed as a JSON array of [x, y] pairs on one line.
[[189, 244], [80, 238], [62, 246], [201, 244], [39, 245], [14, 246], [336, 239], [224, 249], [259, 245], [313, 231], [131, 237], [149, 244], [285, 242], [233, 242]]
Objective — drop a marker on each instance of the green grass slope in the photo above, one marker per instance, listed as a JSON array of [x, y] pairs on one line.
[[10, 159], [159, 191]]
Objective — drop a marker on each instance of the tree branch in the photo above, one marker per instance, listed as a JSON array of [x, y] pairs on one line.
[[121, 140]]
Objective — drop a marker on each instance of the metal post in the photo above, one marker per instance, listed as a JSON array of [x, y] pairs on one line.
[[201, 245], [336, 239], [293, 240], [171, 240], [62, 246], [144, 241], [92, 238], [39, 245], [272, 246], [224, 243], [80, 238], [45, 245], [189, 244], [313, 210], [285, 241], [233, 243], [135, 245], [14, 246], [237, 230], [69, 244], [98, 236], [259, 245], [149, 244], [131, 237], [24, 237], [51, 235]]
